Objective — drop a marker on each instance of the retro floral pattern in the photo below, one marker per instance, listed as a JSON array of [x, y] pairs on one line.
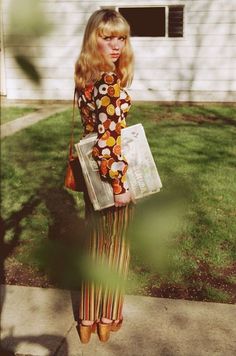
[[104, 106]]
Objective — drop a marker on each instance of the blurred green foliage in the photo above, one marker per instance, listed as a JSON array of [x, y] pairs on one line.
[[27, 18], [27, 23]]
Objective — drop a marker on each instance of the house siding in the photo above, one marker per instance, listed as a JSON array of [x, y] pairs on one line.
[[200, 66]]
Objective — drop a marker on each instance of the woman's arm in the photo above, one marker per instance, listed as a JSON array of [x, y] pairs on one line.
[[107, 150]]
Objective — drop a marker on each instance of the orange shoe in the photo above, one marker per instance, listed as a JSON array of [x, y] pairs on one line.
[[85, 332], [104, 331]]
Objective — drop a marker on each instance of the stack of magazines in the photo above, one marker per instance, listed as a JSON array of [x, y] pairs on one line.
[[142, 174]]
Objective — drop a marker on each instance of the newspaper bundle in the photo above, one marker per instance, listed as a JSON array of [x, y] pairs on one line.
[[142, 174]]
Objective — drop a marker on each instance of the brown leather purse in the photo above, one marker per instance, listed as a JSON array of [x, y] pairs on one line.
[[74, 178]]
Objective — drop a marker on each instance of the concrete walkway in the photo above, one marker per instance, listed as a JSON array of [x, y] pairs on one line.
[[41, 322], [14, 126]]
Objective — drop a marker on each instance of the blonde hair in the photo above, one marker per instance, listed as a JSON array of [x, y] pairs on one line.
[[91, 63]]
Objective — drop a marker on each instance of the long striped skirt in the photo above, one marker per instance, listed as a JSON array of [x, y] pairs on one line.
[[107, 246]]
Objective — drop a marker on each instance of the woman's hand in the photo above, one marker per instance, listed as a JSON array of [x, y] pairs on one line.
[[123, 199]]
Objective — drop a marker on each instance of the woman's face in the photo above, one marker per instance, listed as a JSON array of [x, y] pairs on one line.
[[111, 47]]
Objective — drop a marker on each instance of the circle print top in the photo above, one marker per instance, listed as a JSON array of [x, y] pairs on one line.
[[103, 107]]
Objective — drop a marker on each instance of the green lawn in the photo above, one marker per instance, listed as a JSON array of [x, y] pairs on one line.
[[183, 239], [12, 113]]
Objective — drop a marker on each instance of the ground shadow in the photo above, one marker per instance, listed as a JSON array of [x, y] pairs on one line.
[[44, 340], [75, 300], [59, 254], [65, 236]]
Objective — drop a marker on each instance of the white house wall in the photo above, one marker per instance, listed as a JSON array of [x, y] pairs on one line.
[[201, 66]]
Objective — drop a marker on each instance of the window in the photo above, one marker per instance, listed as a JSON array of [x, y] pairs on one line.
[[145, 21], [161, 21], [176, 21]]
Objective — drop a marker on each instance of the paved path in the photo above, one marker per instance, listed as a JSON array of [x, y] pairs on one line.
[[41, 322], [13, 126]]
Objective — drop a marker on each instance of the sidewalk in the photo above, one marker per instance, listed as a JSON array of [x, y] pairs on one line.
[[45, 111], [40, 322]]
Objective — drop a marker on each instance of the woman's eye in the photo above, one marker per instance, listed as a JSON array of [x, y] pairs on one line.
[[107, 38], [122, 38]]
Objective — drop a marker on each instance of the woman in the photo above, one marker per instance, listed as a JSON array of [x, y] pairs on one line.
[[103, 69]]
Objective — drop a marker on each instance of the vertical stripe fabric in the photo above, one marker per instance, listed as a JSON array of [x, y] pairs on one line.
[[108, 246]]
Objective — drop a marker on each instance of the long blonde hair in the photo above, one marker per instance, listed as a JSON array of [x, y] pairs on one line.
[[91, 63]]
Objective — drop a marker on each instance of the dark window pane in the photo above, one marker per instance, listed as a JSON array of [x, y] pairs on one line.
[[145, 21], [176, 21]]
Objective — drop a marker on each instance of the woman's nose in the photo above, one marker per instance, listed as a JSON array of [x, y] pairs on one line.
[[115, 43]]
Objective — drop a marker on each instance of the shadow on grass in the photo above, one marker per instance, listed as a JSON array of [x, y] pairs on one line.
[[14, 223], [62, 253], [59, 255]]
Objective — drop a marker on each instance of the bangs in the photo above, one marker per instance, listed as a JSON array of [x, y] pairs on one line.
[[114, 27]]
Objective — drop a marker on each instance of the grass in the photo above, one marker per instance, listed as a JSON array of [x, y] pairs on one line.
[[217, 296], [185, 239], [11, 113]]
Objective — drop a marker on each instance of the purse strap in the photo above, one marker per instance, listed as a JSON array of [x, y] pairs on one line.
[[72, 127]]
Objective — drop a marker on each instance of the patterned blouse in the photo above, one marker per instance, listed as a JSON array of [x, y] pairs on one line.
[[103, 107]]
